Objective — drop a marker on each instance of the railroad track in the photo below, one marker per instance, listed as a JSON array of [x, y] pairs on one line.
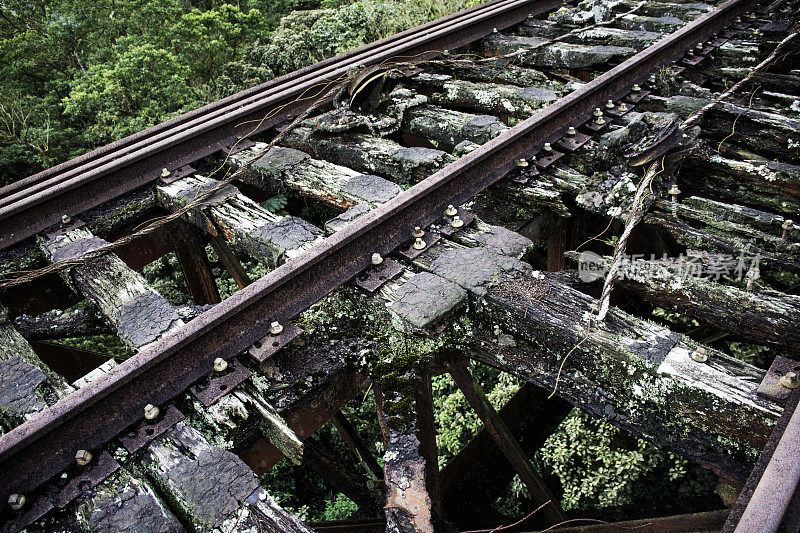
[[523, 118]]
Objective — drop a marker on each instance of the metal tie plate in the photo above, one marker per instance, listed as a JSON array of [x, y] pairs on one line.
[[570, 143], [146, 431], [549, 158], [467, 217], [217, 384], [263, 349], [372, 278], [410, 253], [98, 471], [770, 386]]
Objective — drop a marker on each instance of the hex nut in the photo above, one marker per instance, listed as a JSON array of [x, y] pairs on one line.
[[151, 411], [275, 328], [700, 355], [220, 365], [419, 244], [377, 259], [790, 380], [457, 222], [17, 501], [65, 219], [451, 211], [83, 457], [418, 233]]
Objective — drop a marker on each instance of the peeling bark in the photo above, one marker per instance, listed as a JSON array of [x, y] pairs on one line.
[[55, 324]]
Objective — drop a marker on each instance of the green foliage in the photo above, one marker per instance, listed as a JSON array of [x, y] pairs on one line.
[[340, 508], [600, 465]]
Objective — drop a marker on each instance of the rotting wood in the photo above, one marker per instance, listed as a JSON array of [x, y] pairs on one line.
[[637, 374], [426, 433], [764, 184], [211, 489], [408, 505], [230, 261], [493, 72], [537, 53], [191, 252], [768, 317], [491, 98], [29, 385], [75, 322], [242, 222], [139, 314], [287, 168], [360, 451], [451, 127], [372, 155], [684, 10], [539, 492]]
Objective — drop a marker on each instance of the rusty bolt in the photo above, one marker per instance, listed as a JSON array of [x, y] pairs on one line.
[[451, 211], [83, 457], [700, 355], [377, 259], [151, 411], [674, 191], [457, 222], [165, 173], [610, 104], [17, 501], [790, 380], [571, 131], [787, 225], [522, 163], [418, 232], [275, 328], [419, 244], [65, 219], [220, 365]]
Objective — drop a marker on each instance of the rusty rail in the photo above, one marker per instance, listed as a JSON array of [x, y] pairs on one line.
[[770, 499], [38, 202], [40, 449]]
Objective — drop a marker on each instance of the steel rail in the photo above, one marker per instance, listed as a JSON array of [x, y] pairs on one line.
[[28, 209], [89, 161], [770, 499], [41, 448]]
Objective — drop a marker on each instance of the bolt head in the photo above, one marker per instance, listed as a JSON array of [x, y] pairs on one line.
[[83, 457], [17, 501], [571, 131], [597, 112], [456, 222], [790, 380], [65, 219], [788, 224], [522, 163], [623, 108], [636, 88], [674, 190], [610, 104], [600, 121], [151, 411], [494, 30], [700, 355], [419, 244], [220, 365], [451, 211], [418, 232], [377, 259], [275, 328], [547, 147], [165, 173]]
